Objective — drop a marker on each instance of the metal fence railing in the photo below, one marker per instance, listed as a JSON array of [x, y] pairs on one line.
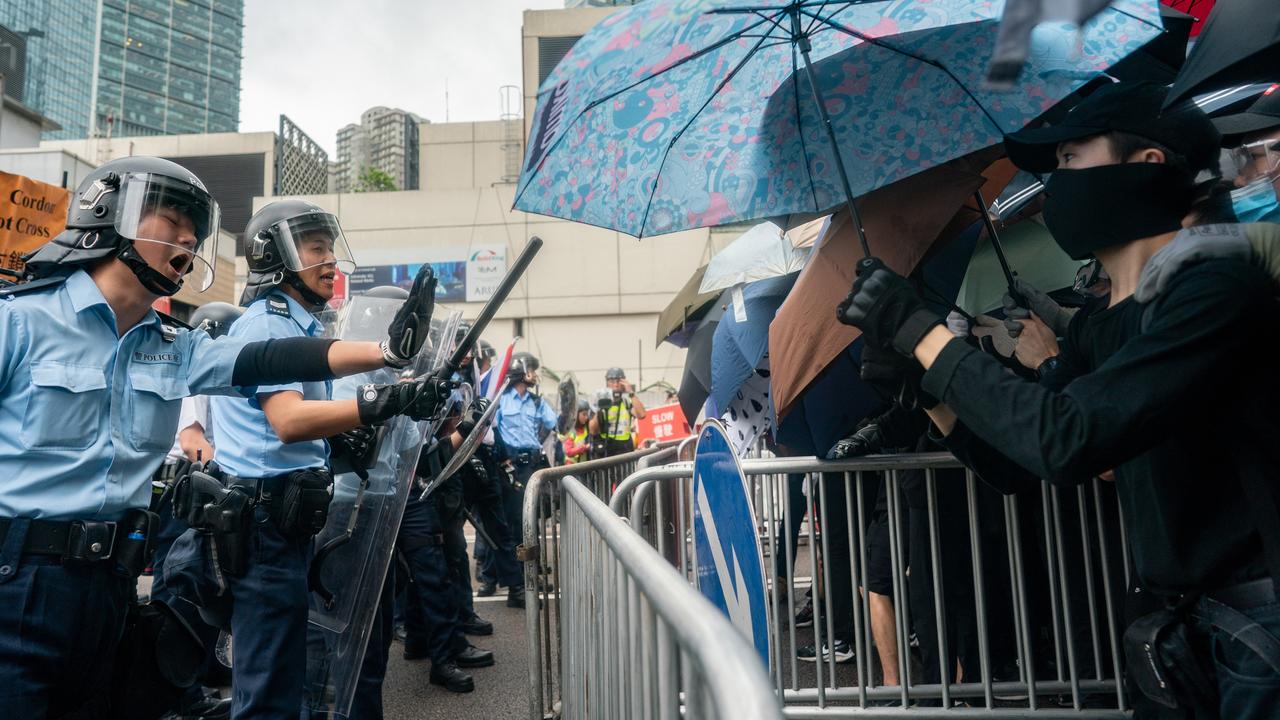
[[539, 553], [638, 642], [954, 599]]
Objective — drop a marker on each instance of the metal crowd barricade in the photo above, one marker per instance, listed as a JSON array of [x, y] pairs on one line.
[[638, 642], [1019, 595], [539, 553]]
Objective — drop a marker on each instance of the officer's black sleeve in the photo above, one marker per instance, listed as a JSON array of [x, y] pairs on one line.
[[284, 360], [1202, 331]]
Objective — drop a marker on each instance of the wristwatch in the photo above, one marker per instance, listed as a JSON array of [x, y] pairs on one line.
[[1051, 364]]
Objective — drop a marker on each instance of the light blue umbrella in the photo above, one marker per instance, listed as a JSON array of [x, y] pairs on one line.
[[676, 114], [742, 337], [760, 253]]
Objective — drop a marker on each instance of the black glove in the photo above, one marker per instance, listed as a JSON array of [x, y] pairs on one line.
[[408, 329], [354, 443], [886, 308], [472, 416], [895, 377], [418, 399], [868, 440]]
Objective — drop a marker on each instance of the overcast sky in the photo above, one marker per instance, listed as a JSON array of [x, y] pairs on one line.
[[323, 62]]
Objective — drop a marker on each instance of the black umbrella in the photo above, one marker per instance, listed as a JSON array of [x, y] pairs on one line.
[[695, 385], [1162, 58], [1240, 44]]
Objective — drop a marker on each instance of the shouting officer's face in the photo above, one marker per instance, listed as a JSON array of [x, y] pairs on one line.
[[315, 251], [169, 241]]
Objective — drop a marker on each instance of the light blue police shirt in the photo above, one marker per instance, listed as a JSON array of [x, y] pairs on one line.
[[86, 416], [248, 446], [520, 418]]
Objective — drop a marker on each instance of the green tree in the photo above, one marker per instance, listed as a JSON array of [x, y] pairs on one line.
[[372, 179]]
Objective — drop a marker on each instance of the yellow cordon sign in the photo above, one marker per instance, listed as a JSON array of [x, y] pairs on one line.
[[31, 214]]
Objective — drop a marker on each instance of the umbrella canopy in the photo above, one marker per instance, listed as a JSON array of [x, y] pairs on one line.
[[684, 309], [834, 403], [742, 337], [903, 221], [1160, 59], [1031, 249], [695, 384], [675, 114], [763, 252], [1239, 44], [837, 398]]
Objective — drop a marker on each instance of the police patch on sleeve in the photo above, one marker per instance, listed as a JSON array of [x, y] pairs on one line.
[[276, 306]]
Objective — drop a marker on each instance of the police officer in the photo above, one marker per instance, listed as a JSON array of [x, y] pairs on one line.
[[192, 443], [483, 495], [274, 447], [523, 420], [618, 407], [434, 549], [91, 380]]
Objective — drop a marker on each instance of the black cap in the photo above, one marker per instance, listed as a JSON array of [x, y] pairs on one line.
[[1263, 114], [1120, 107]]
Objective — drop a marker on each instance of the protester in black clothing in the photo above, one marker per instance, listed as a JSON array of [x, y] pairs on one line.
[[1172, 395]]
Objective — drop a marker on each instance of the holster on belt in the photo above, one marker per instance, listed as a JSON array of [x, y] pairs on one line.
[[225, 514]]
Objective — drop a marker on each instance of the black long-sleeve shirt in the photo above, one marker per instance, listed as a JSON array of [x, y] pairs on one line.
[[1163, 406]]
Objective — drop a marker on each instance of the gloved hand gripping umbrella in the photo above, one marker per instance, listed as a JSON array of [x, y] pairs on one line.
[[672, 114]]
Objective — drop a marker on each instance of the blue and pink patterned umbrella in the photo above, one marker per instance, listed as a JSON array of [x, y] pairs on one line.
[[676, 114]]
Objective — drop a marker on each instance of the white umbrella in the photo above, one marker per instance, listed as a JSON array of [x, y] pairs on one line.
[[760, 253]]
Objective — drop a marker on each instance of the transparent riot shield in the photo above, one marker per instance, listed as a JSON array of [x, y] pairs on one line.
[[354, 550], [468, 447]]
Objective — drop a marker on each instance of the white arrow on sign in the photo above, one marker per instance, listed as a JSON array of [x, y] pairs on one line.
[[735, 595]]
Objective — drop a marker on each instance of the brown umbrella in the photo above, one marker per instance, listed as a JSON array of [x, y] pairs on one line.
[[902, 222], [685, 307]]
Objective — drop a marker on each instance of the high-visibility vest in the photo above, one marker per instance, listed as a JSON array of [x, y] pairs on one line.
[[579, 439], [618, 422]]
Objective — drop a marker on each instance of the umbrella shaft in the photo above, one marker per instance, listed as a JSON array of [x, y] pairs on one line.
[[802, 41], [995, 245]]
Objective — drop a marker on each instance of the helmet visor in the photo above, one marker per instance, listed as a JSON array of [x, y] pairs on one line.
[[180, 216], [313, 239]]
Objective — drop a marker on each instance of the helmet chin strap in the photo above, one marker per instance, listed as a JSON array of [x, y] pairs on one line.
[[311, 297], [151, 279]]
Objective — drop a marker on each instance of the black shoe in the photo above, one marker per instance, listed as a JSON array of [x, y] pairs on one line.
[[515, 597], [451, 678], [843, 652], [476, 625], [413, 654], [804, 616], [474, 657], [487, 589]]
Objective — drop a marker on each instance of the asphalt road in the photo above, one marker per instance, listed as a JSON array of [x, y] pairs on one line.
[[501, 692]]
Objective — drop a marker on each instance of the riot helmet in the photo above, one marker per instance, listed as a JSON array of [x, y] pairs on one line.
[[523, 368], [615, 373], [132, 208], [288, 237], [486, 350], [215, 318]]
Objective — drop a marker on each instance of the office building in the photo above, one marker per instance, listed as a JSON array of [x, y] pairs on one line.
[[118, 68], [386, 139]]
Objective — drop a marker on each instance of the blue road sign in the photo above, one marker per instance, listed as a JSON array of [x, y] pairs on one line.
[[727, 558]]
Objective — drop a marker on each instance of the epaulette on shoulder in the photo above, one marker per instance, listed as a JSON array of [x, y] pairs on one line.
[[170, 326], [9, 291], [277, 306]]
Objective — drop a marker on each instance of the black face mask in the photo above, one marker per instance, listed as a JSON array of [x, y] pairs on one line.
[[1098, 207]]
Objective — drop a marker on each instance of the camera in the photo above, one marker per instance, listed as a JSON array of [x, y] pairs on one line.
[[606, 399]]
